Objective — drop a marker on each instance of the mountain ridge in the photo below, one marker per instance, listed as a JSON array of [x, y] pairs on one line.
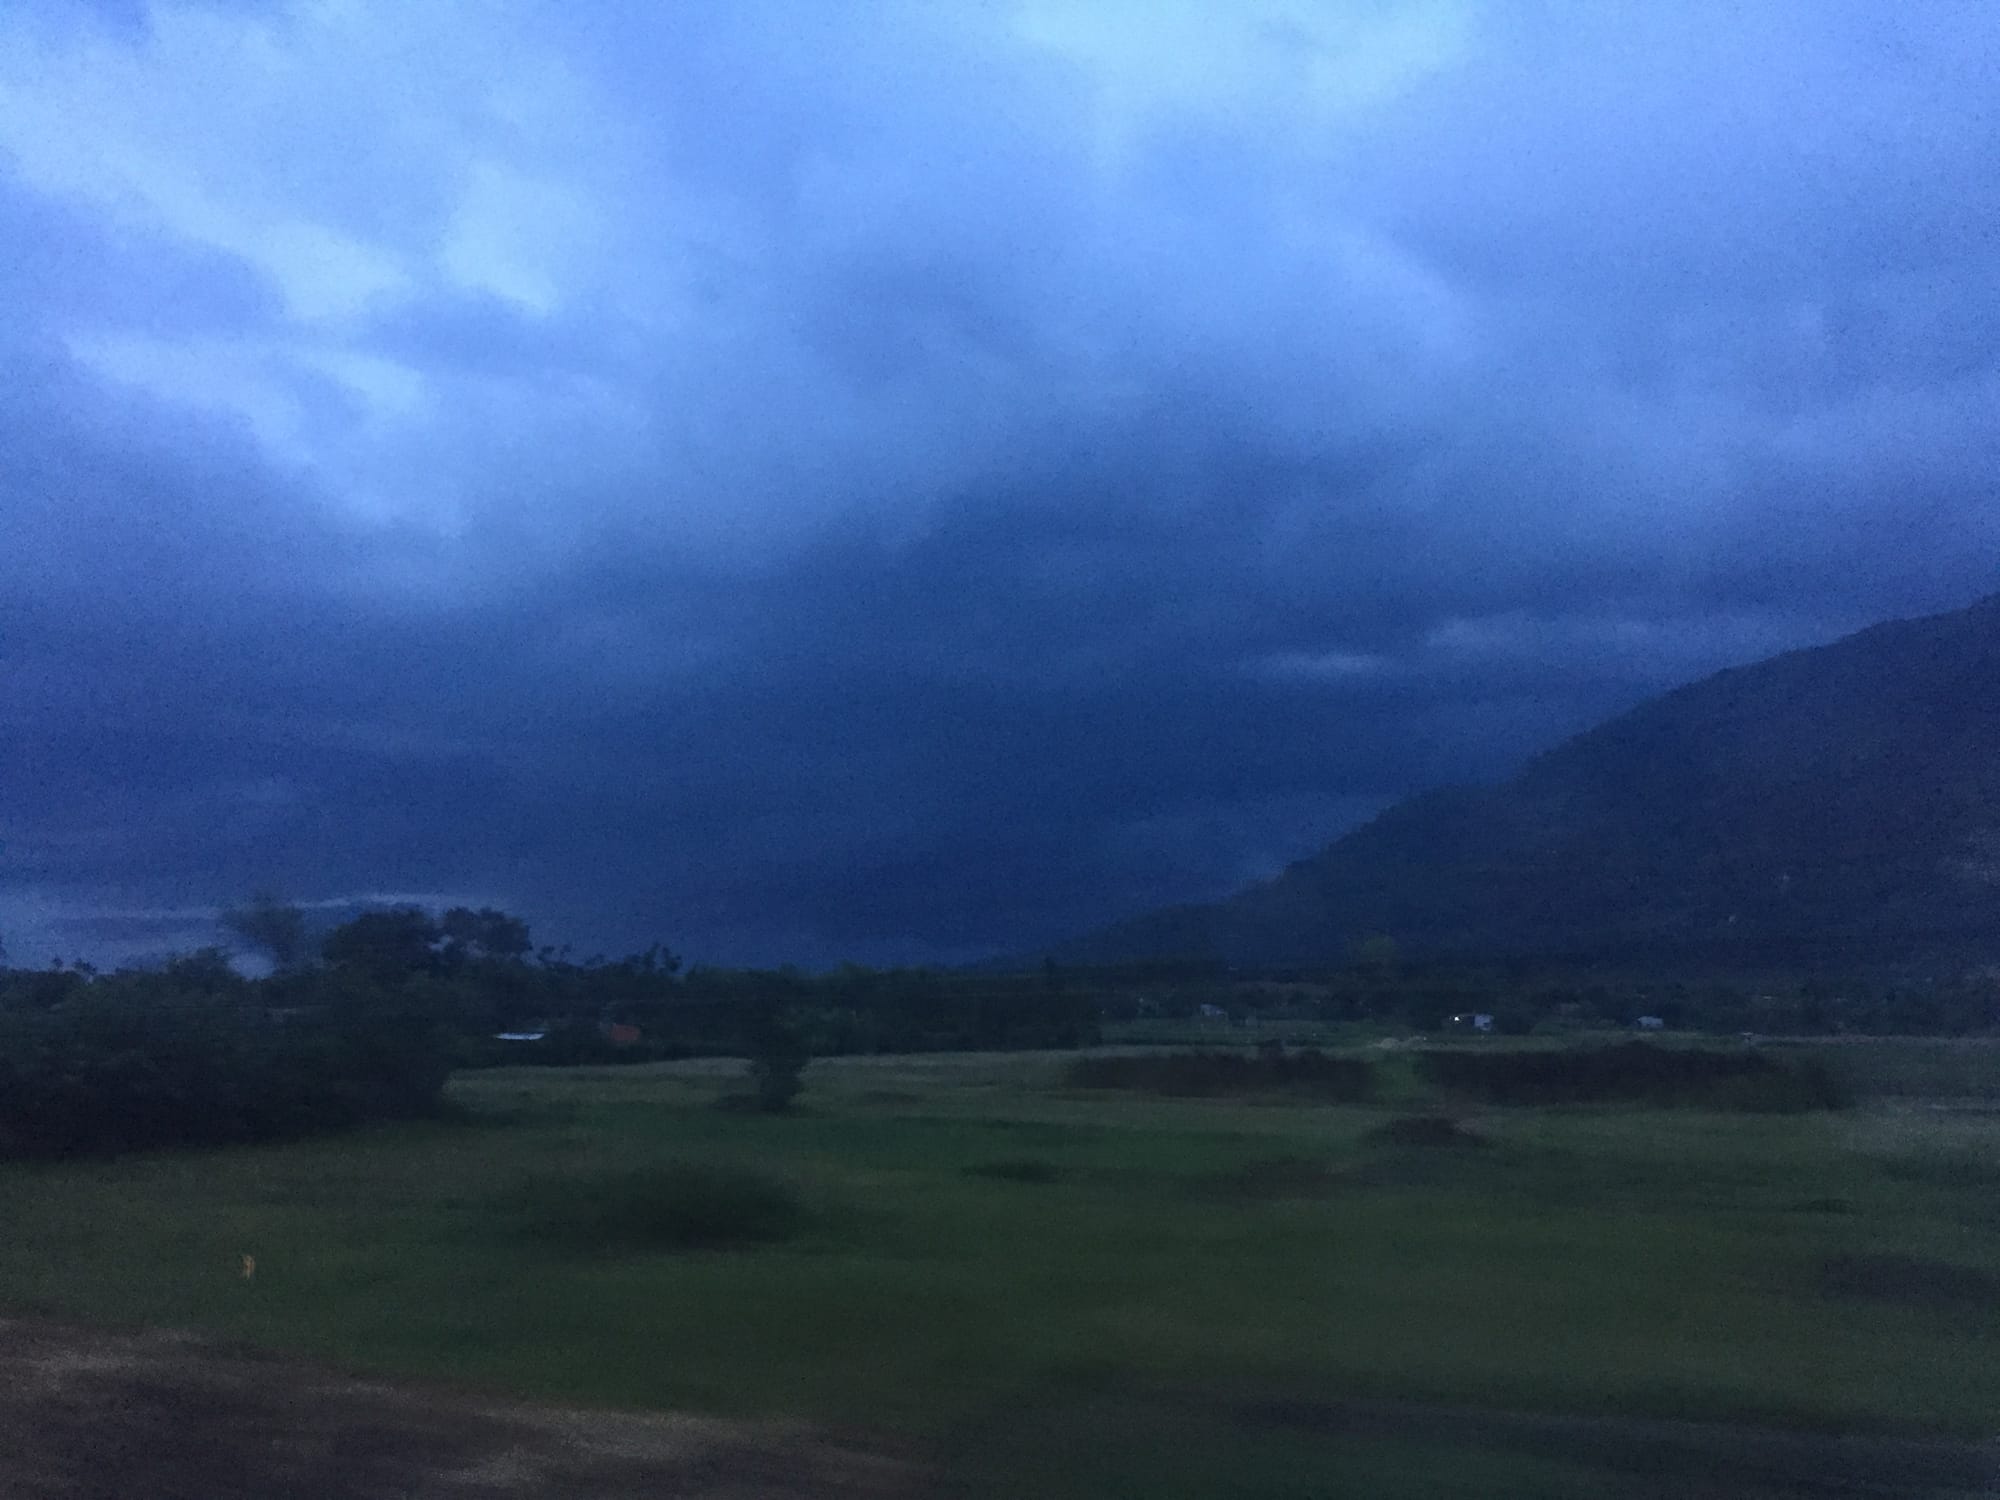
[[1831, 803]]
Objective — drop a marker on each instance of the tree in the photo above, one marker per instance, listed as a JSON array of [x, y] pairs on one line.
[[778, 1055], [655, 961], [205, 970], [485, 933], [274, 928], [388, 945]]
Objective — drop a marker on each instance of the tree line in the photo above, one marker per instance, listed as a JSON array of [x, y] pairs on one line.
[[365, 1021]]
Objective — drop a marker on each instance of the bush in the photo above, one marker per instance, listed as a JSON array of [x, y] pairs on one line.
[[1017, 1169], [123, 1066], [1426, 1130], [675, 1206], [776, 1043], [1635, 1071], [1204, 1074]]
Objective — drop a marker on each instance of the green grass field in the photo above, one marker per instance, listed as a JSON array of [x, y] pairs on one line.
[[1059, 1293]]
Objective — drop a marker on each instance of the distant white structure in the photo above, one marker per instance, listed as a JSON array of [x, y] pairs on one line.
[[1213, 1013], [1477, 1020], [1650, 1023], [519, 1036]]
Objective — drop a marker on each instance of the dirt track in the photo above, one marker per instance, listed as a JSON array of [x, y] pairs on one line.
[[86, 1415]]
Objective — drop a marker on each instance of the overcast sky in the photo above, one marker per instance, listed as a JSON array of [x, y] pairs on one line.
[[808, 479]]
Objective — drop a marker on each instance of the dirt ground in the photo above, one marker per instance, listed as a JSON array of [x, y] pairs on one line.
[[89, 1415], [1696, 1459]]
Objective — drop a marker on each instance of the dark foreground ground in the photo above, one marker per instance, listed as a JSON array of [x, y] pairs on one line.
[[975, 1277], [97, 1415], [91, 1415]]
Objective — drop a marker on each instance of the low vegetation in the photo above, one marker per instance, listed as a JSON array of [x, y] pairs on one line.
[[665, 1206], [363, 1022], [779, 1053], [1017, 1169], [1740, 1079], [1065, 1292], [1426, 1130], [122, 1066], [1306, 1072]]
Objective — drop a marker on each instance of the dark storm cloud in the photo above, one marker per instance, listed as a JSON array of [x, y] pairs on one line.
[[923, 486]]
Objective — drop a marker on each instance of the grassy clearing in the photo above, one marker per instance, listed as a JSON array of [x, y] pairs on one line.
[[1742, 1078], [1307, 1074], [668, 1206], [1961, 1069], [1425, 1130], [1075, 1292]]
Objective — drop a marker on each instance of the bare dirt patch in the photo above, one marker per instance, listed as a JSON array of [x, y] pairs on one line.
[[1689, 1460], [88, 1415], [1907, 1278]]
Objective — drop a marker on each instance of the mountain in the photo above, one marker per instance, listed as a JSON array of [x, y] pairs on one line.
[[1836, 804]]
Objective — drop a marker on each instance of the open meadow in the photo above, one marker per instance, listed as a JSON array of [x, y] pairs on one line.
[[1034, 1288]]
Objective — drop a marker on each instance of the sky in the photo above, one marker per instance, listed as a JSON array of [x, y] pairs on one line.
[[801, 480]]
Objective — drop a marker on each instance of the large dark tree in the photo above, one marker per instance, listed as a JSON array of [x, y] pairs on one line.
[[485, 933], [778, 1054], [387, 946]]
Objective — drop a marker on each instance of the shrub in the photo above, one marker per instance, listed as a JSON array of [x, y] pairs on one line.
[[1638, 1071], [674, 1206], [1426, 1130], [1017, 1169], [776, 1043], [120, 1066], [1307, 1071]]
